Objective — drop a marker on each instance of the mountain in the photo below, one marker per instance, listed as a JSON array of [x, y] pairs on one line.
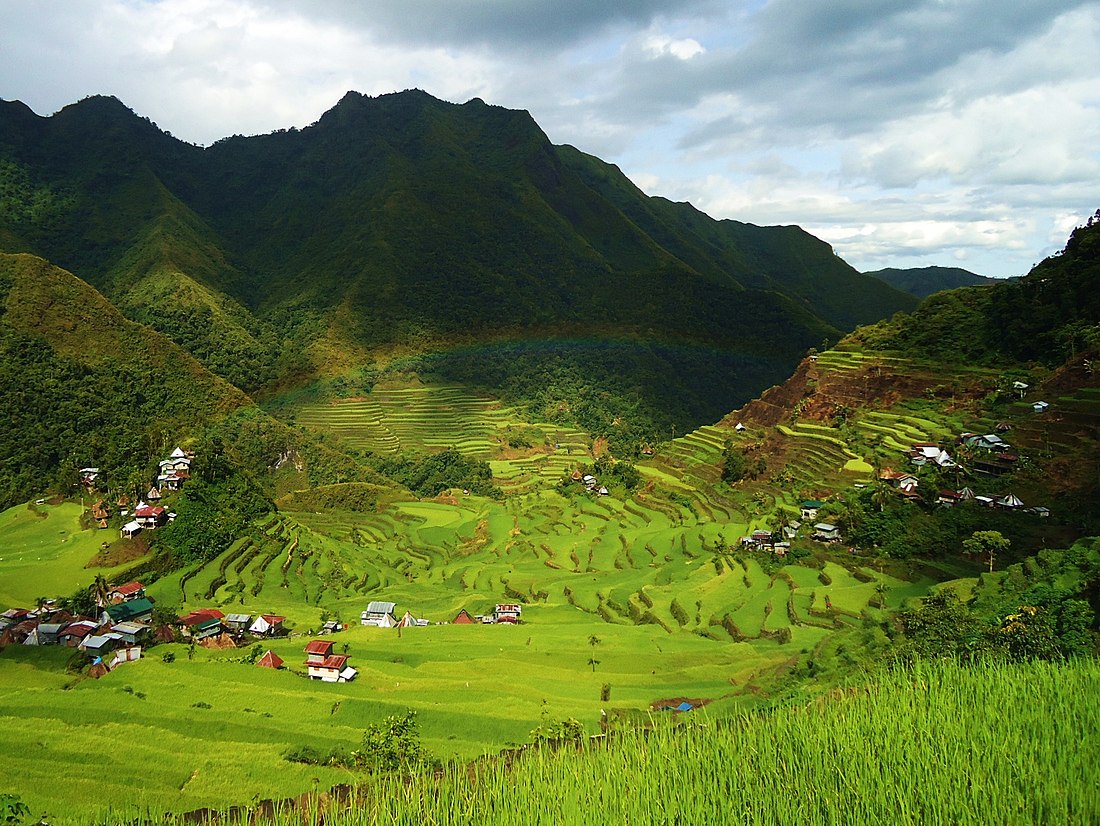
[[405, 226], [973, 359], [1046, 317], [923, 281], [82, 386]]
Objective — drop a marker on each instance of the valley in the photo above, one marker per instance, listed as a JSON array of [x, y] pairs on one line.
[[486, 469], [629, 599]]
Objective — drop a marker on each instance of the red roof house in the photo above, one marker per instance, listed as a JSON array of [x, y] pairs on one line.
[[318, 651], [270, 660], [125, 593], [150, 516], [333, 669]]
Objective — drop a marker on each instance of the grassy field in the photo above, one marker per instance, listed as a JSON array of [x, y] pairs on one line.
[[672, 617], [935, 744], [639, 596], [44, 552]]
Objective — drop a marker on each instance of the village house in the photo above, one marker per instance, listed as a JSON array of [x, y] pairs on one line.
[[332, 627], [45, 634], [268, 625], [174, 471], [808, 508], [97, 645], [379, 615], [997, 465], [317, 651], [322, 664], [1040, 407], [238, 623], [125, 593], [150, 517], [131, 632], [463, 618], [19, 633], [409, 621], [136, 610], [198, 625], [74, 633], [130, 530], [762, 536], [948, 498], [270, 660], [507, 612], [100, 513], [922, 454], [824, 532], [899, 479], [13, 616], [990, 441], [124, 655]]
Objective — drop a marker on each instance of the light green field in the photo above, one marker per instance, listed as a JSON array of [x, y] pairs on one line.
[[666, 611], [676, 614], [43, 552]]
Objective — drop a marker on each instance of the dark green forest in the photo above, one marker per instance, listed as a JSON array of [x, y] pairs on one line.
[[406, 223]]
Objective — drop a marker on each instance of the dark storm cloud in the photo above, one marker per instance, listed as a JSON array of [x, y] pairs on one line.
[[510, 24], [842, 66]]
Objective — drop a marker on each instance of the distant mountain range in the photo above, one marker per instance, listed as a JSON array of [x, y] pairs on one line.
[[923, 281]]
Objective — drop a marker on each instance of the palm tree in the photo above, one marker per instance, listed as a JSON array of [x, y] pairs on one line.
[[100, 588]]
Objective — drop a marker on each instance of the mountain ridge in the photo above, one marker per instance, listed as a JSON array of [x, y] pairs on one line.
[[402, 223], [923, 281]]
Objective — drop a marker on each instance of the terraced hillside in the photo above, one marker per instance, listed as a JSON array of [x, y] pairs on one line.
[[625, 563], [430, 418]]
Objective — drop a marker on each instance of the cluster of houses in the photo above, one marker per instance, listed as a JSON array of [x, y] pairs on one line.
[[779, 542], [321, 663], [994, 457], [383, 615], [204, 623], [113, 637], [148, 515], [590, 482], [174, 472]]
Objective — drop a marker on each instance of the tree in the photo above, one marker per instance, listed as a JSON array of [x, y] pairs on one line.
[[942, 626], [99, 589], [986, 544], [735, 465], [593, 640], [393, 744]]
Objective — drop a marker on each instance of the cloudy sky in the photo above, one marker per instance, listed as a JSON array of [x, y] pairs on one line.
[[904, 132]]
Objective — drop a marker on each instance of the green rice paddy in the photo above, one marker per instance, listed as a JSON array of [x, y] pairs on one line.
[[651, 578]]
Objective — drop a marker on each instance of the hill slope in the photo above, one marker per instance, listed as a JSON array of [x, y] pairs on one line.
[[83, 386], [403, 223]]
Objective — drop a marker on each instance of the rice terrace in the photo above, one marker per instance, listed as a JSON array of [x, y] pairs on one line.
[[630, 603], [409, 468]]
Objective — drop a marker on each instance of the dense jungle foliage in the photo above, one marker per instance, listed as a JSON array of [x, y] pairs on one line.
[[1045, 317]]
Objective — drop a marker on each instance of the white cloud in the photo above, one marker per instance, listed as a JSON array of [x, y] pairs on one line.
[[684, 49], [903, 130]]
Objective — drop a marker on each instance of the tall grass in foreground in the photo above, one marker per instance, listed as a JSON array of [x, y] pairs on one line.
[[988, 744]]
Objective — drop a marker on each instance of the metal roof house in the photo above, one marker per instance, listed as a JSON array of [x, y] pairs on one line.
[[379, 615]]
